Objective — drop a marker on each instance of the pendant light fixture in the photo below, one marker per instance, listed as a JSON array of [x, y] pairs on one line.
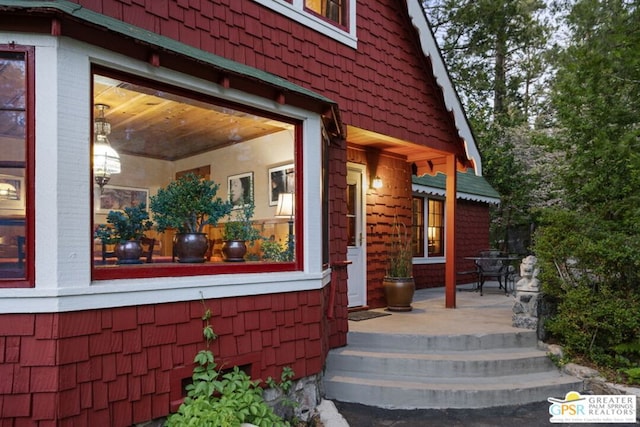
[[106, 161]]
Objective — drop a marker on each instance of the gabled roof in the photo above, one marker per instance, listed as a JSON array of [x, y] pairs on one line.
[[470, 187], [452, 101]]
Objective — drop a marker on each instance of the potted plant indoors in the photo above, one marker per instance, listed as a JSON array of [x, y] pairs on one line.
[[237, 232], [188, 205], [398, 282], [125, 229]]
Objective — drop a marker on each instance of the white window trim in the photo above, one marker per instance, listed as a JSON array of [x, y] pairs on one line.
[[295, 11], [63, 253]]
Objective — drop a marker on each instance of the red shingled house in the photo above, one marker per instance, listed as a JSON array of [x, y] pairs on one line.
[[314, 99]]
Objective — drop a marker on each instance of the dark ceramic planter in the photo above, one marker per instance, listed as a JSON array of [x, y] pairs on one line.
[[128, 252], [234, 250], [399, 293], [191, 247]]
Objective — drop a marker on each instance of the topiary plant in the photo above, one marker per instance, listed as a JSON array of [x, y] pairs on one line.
[[188, 204], [128, 225]]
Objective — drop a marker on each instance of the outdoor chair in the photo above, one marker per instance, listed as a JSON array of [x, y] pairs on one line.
[[492, 265]]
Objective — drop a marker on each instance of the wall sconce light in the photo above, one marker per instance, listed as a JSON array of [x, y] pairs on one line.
[[377, 182], [106, 161]]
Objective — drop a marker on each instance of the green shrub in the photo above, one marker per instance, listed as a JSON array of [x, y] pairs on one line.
[[590, 270]]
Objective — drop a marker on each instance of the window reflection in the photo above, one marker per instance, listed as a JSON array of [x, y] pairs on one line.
[[13, 244]]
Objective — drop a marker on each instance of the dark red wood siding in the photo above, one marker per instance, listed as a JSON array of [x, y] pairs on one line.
[[386, 85], [117, 367], [383, 207], [472, 236]]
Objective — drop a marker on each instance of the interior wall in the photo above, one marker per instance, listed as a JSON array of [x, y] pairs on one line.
[[257, 156]]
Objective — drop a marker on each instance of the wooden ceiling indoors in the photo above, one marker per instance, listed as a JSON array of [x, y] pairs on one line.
[[150, 123]]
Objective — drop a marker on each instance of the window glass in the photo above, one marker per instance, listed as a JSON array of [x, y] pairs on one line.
[[434, 230], [147, 135], [435, 227], [417, 239], [333, 10], [352, 205], [14, 259]]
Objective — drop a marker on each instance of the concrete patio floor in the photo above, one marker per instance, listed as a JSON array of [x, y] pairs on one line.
[[474, 314]]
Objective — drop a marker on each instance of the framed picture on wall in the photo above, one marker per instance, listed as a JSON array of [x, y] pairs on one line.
[[115, 198], [12, 193], [282, 179], [240, 189]]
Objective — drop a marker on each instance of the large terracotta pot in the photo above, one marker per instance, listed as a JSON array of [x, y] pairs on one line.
[[128, 252], [191, 247], [399, 293], [234, 250]]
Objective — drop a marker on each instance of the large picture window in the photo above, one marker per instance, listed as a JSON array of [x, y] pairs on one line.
[[16, 125], [147, 135]]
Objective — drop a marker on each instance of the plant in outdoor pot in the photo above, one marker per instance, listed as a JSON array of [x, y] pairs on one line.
[[237, 232], [125, 229], [398, 282], [188, 204]]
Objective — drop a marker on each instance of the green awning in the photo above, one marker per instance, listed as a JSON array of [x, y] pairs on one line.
[[470, 186]]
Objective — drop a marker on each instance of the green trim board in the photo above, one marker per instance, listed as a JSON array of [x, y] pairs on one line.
[[469, 186]]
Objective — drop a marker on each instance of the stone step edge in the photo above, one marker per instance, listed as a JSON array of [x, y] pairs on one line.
[[511, 382], [512, 353], [469, 342]]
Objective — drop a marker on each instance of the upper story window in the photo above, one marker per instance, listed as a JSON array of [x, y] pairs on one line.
[[429, 212], [148, 135], [333, 10], [333, 18], [16, 130]]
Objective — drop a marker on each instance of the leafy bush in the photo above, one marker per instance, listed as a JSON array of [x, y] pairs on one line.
[[240, 225], [128, 225], [188, 204], [590, 269], [275, 251]]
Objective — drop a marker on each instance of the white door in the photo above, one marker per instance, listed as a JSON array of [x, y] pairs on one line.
[[356, 250]]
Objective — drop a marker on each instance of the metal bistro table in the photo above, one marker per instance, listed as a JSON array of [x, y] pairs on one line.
[[498, 267]]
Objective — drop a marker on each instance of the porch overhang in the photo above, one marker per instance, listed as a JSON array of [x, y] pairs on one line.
[[427, 159]]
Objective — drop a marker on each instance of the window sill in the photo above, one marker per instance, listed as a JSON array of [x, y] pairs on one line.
[[434, 260]]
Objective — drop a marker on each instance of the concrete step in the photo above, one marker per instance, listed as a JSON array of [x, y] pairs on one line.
[[474, 363], [411, 371], [424, 343], [386, 391]]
